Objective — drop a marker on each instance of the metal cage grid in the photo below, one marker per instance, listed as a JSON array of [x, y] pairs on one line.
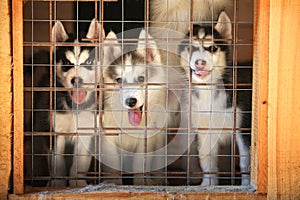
[[37, 37]]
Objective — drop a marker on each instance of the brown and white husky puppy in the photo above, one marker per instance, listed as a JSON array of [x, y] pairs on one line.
[[170, 20], [138, 109], [73, 110], [214, 117], [176, 14]]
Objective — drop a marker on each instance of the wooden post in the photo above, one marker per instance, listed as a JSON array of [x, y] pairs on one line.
[[284, 100], [259, 153], [5, 99], [18, 136]]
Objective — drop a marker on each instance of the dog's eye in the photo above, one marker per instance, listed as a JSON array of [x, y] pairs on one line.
[[66, 65], [66, 68], [119, 80], [141, 79], [211, 49], [66, 62], [89, 62]]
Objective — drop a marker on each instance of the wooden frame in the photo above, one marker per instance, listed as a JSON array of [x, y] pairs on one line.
[[5, 99], [275, 153], [17, 27]]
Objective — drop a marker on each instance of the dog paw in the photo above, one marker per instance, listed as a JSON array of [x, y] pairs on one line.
[[245, 181], [209, 182], [78, 183]]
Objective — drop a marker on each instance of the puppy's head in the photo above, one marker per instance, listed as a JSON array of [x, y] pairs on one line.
[[131, 71], [207, 55], [75, 65]]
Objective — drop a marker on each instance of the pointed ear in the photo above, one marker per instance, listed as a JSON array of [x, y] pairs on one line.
[[95, 31], [111, 49], [59, 33], [224, 26], [147, 42], [184, 57]]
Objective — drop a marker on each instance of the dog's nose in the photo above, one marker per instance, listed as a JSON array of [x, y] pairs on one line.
[[76, 81], [200, 62], [131, 102]]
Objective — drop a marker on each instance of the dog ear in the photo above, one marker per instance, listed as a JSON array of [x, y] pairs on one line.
[[95, 31], [184, 57], [59, 33], [224, 26], [111, 48], [147, 47]]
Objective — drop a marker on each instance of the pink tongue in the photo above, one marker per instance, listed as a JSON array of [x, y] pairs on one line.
[[202, 72], [79, 96], [135, 116]]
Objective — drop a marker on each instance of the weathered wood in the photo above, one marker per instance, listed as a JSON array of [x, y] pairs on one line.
[[75, 0], [17, 35], [5, 99], [284, 100], [259, 153], [144, 195]]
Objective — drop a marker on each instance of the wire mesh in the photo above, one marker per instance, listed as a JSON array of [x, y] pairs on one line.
[[70, 143]]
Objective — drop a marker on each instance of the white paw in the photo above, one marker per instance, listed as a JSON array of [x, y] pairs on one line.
[[245, 180], [78, 183], [209, 181]]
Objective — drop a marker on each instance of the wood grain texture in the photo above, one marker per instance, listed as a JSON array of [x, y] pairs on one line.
[[284, 100], [259, 153], [144, 195], [25, 1], [18, 122], [5, 99]]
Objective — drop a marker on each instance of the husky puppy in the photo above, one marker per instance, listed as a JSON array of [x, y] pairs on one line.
[[212, 105], [136, 111], [175, 14], [73, 110]]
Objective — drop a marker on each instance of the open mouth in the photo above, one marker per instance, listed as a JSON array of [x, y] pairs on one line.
[[135, 115], [202, 72], [79, 96]]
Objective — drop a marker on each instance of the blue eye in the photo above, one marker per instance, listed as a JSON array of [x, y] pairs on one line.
[[89, 62]]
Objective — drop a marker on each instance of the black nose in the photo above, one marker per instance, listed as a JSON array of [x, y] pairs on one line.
[[200, 61], [131, 102], [76, 81]]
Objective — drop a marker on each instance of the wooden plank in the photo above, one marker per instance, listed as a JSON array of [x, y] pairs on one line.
[[17, 31], [259, 149], [25, 1], [284, 100], [5, 99], [144, 195]]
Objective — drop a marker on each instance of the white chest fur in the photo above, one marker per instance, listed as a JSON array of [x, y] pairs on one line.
[[216, 123], [82, 123], [210, 111]]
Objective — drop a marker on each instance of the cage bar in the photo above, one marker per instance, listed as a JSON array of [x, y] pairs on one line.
[[97, 175]]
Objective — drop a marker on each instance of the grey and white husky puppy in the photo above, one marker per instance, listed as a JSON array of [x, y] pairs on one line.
[[75, 74], [214, 117], [138, 108]]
